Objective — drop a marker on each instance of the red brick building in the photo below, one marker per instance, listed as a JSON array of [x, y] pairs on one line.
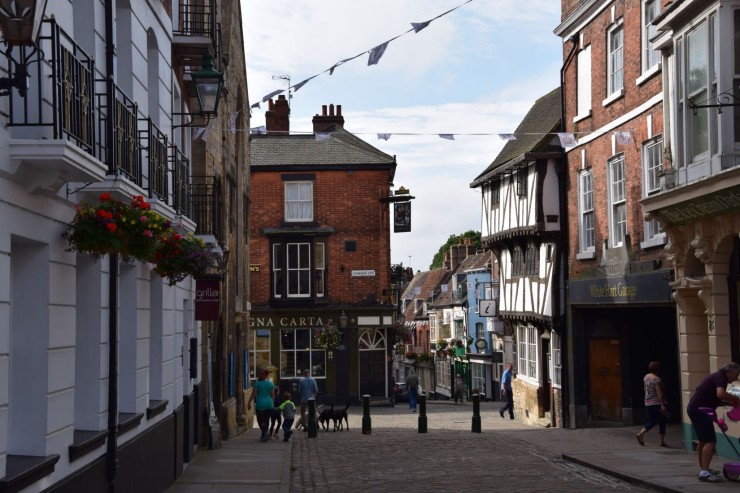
[[320, 256], [622, 315]]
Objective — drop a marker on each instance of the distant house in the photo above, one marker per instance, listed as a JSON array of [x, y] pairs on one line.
[[320, 256]]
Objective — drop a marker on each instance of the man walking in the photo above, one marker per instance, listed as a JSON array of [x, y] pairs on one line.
[[412, 387], [308, 389], [506, 392], [711, 392]]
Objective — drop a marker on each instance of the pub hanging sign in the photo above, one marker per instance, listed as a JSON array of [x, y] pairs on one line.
[[207, 299], [402, 217]]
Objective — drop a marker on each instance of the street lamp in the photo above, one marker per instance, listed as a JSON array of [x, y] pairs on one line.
[[20, 22], [343, 320], [208, 83]]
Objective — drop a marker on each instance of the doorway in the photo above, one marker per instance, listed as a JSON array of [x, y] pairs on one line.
[[606, 380]]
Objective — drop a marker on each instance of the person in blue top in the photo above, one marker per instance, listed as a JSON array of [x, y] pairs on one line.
[[308, 389], [506, 392], [263, 396]]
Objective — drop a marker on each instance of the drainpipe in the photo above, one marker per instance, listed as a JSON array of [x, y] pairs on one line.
[[112, 443], [563, 264]]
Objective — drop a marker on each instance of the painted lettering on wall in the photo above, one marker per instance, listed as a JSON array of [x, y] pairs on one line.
[[619, 290], [709, 206], [257, 322]]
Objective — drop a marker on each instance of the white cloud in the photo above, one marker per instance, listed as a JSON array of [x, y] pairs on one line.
[[475, 70]]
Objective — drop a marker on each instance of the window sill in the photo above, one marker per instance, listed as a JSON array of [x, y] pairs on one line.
[[657, 240], [24, 470], [128, 421], [587, 255], [155, 408], [613, 97], [84, 442], [649, 74], [578, 118]]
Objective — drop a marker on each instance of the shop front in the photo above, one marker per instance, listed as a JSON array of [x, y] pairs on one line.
[[347, 352], [618, 324]]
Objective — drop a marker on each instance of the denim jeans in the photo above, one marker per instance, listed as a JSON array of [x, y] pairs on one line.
[[412, 399]]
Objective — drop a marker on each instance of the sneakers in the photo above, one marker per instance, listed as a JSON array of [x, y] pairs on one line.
[[709, 478], [714, 472], [501, 414]]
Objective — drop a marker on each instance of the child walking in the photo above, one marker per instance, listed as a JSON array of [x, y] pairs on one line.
[[275, 417], [288, 409]]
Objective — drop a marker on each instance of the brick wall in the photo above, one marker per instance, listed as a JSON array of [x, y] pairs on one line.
[[600, 149], [349, 203]]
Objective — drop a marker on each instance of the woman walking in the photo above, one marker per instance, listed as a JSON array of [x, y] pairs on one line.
[[263, 397], [654, 403]]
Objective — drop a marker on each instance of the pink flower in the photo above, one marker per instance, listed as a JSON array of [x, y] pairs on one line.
[[143, 219], [148, 232]]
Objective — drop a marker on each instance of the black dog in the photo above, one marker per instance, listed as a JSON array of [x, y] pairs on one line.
[[325, 416], [339, 415]]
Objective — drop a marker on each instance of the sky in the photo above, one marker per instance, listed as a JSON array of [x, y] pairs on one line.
[[475, 70]]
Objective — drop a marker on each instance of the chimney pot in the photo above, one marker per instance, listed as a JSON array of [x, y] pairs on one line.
[[323, 110], [331, 110], [339, 110]]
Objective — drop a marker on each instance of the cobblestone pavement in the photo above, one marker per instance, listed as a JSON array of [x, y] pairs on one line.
[[505, 456]]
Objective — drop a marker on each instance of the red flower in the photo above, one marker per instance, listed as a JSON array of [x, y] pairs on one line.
[[111, 227], [105, 197]]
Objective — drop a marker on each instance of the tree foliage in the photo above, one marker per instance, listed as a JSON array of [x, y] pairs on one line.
[[439, 257]]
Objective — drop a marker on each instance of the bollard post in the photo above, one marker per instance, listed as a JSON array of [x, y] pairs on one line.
[[422, 413], [312, 424], [476, 413], [367, 428]]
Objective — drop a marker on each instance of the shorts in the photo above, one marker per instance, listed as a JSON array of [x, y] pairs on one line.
[[703, 426]]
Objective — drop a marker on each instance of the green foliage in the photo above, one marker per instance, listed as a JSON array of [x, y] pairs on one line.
[[439, 257]]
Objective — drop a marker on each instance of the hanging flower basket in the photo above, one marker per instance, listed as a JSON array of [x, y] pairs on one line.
[[179, 256], [441, 344], [327, 337], [132, 231]]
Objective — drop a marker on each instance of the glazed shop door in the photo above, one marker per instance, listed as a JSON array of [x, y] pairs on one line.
[[606, 380]]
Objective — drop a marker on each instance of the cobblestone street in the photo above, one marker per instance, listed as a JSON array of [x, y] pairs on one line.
[[506, 456]]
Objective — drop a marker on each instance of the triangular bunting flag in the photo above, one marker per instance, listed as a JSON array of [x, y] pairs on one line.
[[418, 26], [623, 138], [566, 139], [376, 53], [272, 95], [258, 130], [323, 135], [447, 136], [384, 136], [507, 136], [256, 105]]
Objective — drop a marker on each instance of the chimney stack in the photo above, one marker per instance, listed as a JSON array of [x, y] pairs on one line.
[[324, 121], [277, 117]]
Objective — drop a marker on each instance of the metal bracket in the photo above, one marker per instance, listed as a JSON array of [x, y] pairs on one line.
[[724, 100]]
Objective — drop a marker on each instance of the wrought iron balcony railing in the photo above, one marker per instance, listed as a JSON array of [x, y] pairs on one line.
[[207, 206], [67, 109], [65, 102], [123, 154], [154, 145], [181, 182]]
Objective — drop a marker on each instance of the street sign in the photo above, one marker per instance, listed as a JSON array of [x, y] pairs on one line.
[[488, 308]]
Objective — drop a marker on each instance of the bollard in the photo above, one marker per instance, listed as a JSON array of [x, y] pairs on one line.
[[476, 413], [422, 413], [312, 423], [367, 428]]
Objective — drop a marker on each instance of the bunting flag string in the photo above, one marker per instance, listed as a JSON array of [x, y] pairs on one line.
[[375, 54], [567, 139]]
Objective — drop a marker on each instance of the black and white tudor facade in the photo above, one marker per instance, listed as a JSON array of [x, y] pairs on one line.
[[522, 222]]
